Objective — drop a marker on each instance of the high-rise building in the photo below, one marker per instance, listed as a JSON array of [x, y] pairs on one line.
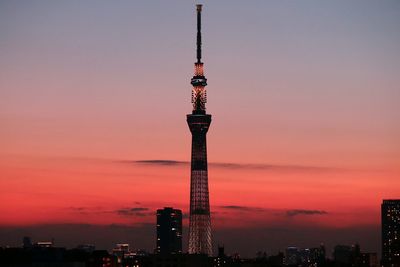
[[27, 242], [199, 122], [292, 256], [390, 212], [369, 260], [169, 231], [342, 255]]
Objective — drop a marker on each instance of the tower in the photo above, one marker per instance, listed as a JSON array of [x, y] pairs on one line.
[[390, 212], [169, 231], [199, 122]]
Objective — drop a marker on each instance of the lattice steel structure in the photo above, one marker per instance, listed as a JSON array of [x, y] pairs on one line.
[[199, 122]]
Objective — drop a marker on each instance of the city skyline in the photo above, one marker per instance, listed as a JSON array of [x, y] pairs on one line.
[[304, 144]]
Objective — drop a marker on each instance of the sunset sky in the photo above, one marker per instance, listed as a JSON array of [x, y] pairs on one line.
[[303, 146]]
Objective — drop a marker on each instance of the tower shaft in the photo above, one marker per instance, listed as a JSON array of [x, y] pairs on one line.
[[199, 122], [199, 219]]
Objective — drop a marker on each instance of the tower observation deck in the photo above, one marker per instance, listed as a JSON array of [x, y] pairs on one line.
[[199, 122]]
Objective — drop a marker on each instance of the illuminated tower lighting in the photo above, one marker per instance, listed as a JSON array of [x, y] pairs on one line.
[[199, 122]]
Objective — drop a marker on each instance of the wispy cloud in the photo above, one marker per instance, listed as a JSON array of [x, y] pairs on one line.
[[241, 208], [136, 211], [144, 211], [296, 212], [288, 213], [87, 210], [228, 165], [159, 162], [76, 208]]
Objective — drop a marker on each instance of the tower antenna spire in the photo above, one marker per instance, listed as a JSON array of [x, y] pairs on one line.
[[199, 8], [199, 81]]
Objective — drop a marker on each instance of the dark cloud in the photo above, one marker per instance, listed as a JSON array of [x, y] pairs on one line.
[[159, 162], [139, 209], [227, 165], [241, 208], [87, 210], [292, 213], [289, 213], [232, 207], [136, 211], [272, 167], [77, 208]]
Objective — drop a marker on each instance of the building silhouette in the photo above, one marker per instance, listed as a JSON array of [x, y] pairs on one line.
[[169, 231], [295, 256], [390, 212], [342, 255], [27, 242], [199, 122]]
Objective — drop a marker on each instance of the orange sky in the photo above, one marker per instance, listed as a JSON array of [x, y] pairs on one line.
[[40, 190]]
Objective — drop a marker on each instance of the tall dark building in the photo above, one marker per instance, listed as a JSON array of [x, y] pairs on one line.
[[199, 121], [169, 231], [27, 242], [390, 212]]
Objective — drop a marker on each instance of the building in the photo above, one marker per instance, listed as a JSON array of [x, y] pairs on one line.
[[292, 256], [390, 214], [342, 255], [318, 256], [44, 244], [169, 231], [121, 251], [102, 258], [199, 122], [27, 242], [179, 260], [369, 260], [305, 257], [222, 260], [86, 247]]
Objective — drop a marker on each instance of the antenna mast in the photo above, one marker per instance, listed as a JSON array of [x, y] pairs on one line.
[[199, 82], [198, 8]]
